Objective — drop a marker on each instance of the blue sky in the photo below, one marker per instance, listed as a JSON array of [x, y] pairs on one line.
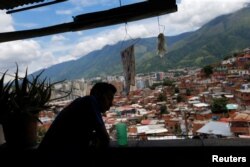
[[42, 52]]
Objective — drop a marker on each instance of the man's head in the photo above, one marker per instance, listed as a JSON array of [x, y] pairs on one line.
[[104, 93]]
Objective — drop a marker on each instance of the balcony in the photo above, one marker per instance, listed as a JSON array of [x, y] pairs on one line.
[[138, 153]]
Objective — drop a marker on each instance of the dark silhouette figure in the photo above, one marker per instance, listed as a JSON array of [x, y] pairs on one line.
[[79, 128]]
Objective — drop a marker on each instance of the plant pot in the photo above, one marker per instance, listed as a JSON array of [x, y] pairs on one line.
[[20, 131], [2, 140]]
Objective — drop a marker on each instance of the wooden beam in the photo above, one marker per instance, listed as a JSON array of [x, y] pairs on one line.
[[113, 16], [126, 13], [25, 34]]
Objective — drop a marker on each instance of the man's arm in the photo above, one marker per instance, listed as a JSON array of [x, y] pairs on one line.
[[103, 138], [101, 135]]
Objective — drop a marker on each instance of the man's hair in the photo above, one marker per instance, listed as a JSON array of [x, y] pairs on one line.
[[101, 88]]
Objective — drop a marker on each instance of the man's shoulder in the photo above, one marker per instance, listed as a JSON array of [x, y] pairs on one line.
[[87, 99], [78, 103], [82, 99]]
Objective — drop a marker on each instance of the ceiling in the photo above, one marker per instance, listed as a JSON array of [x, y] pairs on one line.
[[122, 14]]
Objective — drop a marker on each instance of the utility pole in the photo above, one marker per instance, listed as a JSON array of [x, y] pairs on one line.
[[186, 123]]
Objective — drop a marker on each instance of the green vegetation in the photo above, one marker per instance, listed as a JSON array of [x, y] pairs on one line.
[[208, 70], [219, 106], [162, 97], [5, 95], [222, 36], [180, 99], [188, 92], [167, 82], [21, 101], [30, 97], [163, 109], [176, 90]]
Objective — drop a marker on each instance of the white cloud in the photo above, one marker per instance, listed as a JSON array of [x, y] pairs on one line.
[[58, 38], [22, 52], [97, 41], [5, 22], [191, 15], [27, 25], [58, 45], [64, 12], [26, 53]]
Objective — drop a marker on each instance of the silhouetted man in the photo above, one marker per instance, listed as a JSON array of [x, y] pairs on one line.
[[79, 127]]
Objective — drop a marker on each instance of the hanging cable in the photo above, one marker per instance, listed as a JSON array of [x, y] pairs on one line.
[[133, 41], [161, 47], [159, 25], [125, 27], [126, 30]]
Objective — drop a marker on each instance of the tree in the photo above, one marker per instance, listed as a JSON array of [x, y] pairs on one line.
[[163, 109], [179, 99], [219, 106], [177, 129], [167, 82], [188, 92], [162, 97], [247, 65], [155, 85], [208, 70], [176, 90]]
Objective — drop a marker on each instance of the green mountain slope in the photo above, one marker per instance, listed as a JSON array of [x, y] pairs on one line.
[[222, 36]]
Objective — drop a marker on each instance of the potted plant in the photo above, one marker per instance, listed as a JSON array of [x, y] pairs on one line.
[[24, 98], [5, 89]]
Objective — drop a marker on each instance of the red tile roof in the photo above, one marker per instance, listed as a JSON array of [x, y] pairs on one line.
[[241, 117], [145, 122]]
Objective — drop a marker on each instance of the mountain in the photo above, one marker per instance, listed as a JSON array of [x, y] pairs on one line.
[[218, 38]]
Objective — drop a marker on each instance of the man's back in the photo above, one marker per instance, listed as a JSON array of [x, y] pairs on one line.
[[79, 129], [73, 127]]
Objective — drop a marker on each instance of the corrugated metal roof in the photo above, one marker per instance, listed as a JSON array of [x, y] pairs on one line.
[[10, 4], [232, 106], [13, 6], [216, 128], [113, 16]]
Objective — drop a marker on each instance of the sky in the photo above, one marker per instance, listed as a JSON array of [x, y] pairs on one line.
[[43, 52]]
